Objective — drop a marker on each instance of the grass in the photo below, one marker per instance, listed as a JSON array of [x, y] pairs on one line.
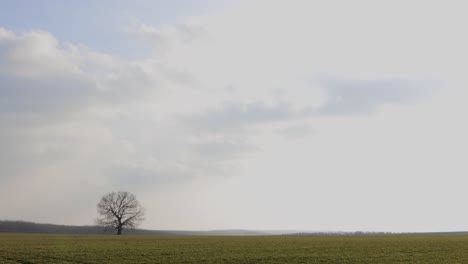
[[39, 248]]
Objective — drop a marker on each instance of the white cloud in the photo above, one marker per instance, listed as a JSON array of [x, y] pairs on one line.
[[58, 104]]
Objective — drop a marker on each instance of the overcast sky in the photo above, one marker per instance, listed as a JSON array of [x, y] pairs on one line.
[[315, 115]]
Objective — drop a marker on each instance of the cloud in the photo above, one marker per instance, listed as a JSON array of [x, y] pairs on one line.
[[58, 104], [342, 97], [365, 96], [295, 131], [238, 115], [168, 35], [86, 119], [40, 75], [222, 148]]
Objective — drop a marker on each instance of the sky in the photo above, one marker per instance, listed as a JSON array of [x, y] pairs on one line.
[[299, 115]]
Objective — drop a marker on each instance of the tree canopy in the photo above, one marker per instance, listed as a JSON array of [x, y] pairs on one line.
[[120, 210]]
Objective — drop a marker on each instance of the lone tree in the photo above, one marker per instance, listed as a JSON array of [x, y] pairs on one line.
[[120, 210]]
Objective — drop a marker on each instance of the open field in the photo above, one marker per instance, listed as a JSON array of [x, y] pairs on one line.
[[39, 248]]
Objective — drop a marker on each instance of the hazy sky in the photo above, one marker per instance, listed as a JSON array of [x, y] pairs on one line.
[[317, 115]]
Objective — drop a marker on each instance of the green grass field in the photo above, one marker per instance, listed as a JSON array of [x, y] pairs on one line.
[[37, 248]]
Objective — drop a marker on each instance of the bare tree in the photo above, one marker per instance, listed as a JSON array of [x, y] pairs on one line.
[[120, 210]]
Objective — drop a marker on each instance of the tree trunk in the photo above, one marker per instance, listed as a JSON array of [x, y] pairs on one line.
[[119, 230]]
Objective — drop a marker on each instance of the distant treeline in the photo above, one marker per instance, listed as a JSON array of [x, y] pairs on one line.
[[30, 227], [356, 233]]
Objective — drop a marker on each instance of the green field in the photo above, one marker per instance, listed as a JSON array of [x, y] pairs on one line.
[[38, 248]]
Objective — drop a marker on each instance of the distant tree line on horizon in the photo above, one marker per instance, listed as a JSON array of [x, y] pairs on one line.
[[355, 233], [31, 227]]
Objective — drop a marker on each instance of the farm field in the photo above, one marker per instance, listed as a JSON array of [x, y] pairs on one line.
[[47, 248]]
